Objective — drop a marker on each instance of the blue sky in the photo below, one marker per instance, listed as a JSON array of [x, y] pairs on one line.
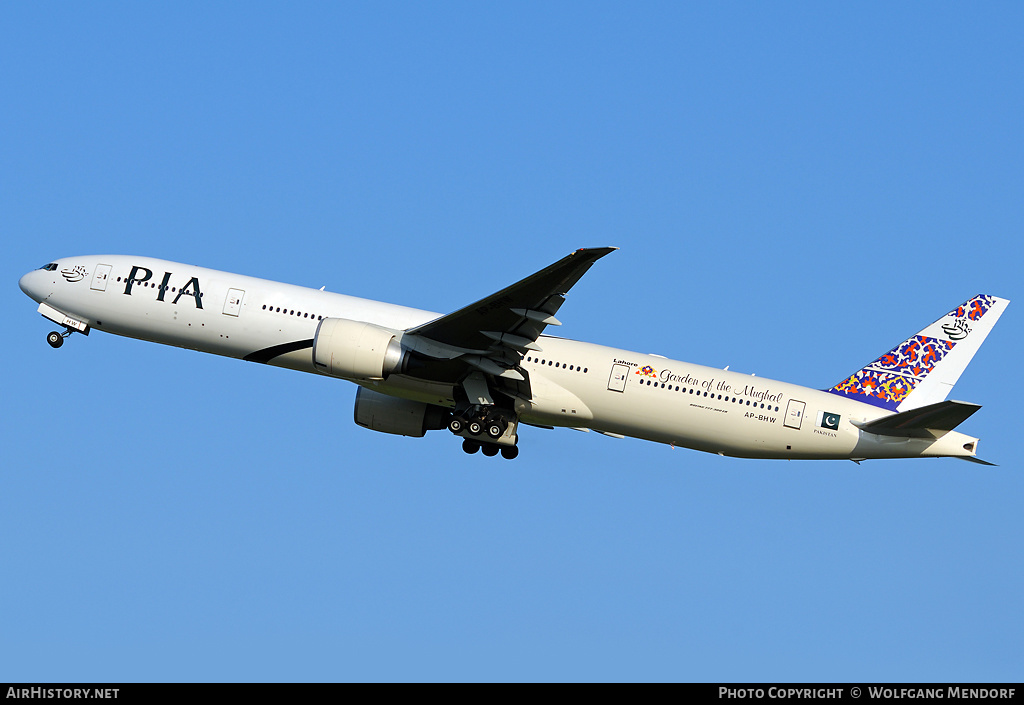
[[794, 189]]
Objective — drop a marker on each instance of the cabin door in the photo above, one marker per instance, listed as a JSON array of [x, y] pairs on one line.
[[100, 277], [618, 377], [795, 413], [233, 302]]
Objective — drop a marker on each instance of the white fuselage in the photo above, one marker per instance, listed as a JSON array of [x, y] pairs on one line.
[[574, 384]]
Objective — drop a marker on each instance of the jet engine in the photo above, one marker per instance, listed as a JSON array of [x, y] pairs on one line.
[[379, 412], [356, 350]]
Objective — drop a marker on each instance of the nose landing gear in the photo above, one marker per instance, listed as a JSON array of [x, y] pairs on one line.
[[56, 339]]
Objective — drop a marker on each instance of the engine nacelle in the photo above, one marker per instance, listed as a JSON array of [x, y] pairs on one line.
[[355, 349], [379, 412]]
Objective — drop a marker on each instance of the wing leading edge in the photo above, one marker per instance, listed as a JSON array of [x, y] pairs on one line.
[[516, 315]]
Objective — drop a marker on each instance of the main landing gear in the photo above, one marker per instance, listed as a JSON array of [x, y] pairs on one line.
[[487, 429], [490, 449]]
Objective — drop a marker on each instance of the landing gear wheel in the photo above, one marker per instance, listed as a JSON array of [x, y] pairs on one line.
[[495, 429], [470, 446], [475, 428], [509, 452], [456, 425], [490, 450], [55, 339]]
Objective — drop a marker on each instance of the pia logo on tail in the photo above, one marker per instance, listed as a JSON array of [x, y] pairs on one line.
[[973, 310], [957, 330]]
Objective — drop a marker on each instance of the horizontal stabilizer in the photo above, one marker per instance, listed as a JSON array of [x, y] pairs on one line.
[[979, 461], [930, 421]]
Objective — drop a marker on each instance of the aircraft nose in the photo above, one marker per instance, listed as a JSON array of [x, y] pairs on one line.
[[31, 285]]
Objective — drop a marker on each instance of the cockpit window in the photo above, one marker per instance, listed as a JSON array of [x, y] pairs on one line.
[[51, 267]]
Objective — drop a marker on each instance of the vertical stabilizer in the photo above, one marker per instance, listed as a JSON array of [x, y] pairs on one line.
[[923, 369]]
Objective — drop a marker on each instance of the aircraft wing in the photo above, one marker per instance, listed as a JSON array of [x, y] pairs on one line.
[[494, 333], [518, 311], [930, 421]]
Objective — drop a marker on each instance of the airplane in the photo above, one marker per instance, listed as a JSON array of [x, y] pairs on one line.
[[485, 369]]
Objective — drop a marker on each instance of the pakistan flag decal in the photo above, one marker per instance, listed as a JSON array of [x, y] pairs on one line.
[[826, 419]]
